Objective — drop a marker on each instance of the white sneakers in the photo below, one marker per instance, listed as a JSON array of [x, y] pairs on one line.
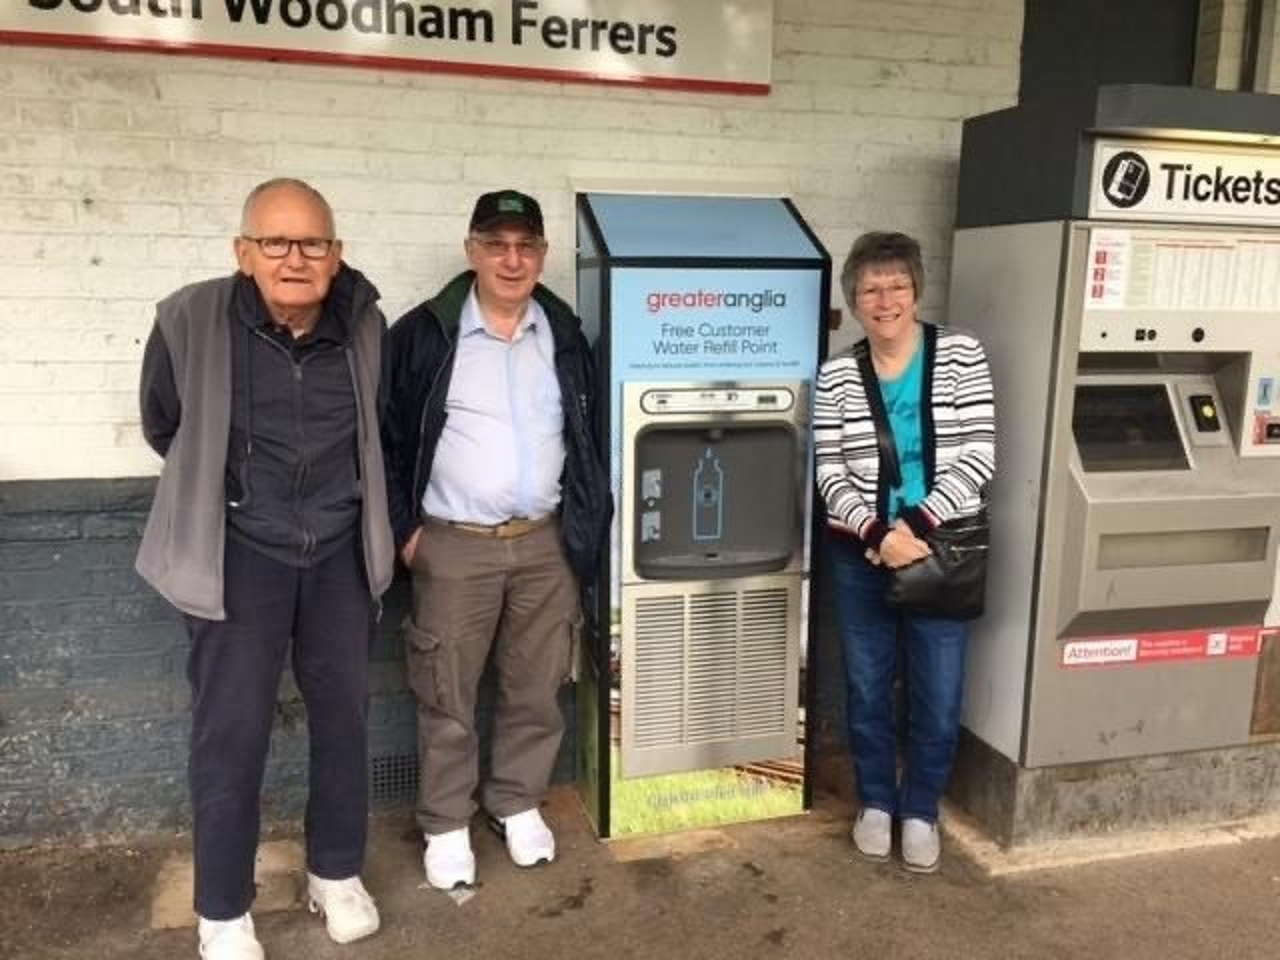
[[349, 912], [449, 861], [873, 834], [229, 939], [921, 843], [921, 846], [529, 839]]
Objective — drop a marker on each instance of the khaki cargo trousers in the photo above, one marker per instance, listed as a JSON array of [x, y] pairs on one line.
[[472, 593]]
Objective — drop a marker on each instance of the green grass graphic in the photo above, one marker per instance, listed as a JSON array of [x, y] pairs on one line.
[[702, 798]]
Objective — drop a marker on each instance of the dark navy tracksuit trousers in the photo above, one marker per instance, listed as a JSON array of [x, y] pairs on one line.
[[234, 669]]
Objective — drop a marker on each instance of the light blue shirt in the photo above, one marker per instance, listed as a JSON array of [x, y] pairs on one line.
[[501, 452], [902, 404]]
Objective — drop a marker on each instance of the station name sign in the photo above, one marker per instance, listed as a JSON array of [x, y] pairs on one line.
[[663, 43], [1189, 183]]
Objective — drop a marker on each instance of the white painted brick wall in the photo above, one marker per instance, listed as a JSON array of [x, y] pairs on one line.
[[121, 177]]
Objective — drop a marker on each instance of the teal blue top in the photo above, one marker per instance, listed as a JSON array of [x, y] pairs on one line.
[[902, 403]]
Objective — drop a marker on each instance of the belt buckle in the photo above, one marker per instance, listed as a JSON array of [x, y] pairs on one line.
[[519, 526], [514, 527]]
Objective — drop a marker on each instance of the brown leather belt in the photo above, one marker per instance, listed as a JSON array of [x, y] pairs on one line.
[[507, 530]]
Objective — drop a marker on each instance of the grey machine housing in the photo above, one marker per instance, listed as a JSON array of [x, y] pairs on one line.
[[1131, 497]]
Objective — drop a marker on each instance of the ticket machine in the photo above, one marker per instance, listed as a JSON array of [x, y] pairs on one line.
[[1119, 255]]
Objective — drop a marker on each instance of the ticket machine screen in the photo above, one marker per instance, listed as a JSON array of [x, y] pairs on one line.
[[1126, 427]]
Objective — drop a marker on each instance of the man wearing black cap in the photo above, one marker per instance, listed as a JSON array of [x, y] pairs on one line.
[[499, 502]]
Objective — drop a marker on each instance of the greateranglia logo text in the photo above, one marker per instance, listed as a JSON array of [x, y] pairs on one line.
[[1127, 179], [715, 299]]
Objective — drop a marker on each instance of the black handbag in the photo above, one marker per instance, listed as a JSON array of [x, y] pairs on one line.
[[951, 582]]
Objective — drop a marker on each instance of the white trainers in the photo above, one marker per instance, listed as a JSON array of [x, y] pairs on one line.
[[229, 939], [873, 834], [449, 861], [529, 839], [921, 845], [349, 912]]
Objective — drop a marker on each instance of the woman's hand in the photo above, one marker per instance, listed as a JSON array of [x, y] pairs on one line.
[[902, 547]]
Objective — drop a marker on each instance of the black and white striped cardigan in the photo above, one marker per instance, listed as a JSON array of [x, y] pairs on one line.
[[958, 435]]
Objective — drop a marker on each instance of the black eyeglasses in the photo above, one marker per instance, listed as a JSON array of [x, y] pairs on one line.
[[277, 248]]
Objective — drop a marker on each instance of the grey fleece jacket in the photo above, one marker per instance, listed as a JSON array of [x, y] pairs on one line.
[[182, 545]]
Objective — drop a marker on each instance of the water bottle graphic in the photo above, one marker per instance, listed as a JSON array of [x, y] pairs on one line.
[[708, 498]]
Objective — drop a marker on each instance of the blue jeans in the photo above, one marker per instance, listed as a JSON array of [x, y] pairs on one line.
[[935, 649]]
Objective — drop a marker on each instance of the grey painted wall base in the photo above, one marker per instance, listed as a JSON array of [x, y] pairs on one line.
[[1017, 806], [94, 706], [94, 702]]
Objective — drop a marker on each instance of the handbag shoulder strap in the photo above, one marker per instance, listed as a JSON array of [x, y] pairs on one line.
[[884, 433]]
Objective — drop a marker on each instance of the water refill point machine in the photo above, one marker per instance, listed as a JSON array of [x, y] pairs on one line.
[[1119, 254], [708, 315]]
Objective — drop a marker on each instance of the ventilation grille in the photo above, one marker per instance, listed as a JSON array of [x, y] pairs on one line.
[[713, 670], [712, 656], [393, 778], [659, 694], [762, 664]]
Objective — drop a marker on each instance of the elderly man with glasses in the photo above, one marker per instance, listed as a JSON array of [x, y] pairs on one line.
[[270, 529], [499, 501]]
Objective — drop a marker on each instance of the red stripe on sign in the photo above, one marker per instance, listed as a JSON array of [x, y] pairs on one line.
[[275, 54], [1166, 646]]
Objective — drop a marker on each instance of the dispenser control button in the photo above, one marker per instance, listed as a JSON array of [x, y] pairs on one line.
[[1205, 412], [651, 485]]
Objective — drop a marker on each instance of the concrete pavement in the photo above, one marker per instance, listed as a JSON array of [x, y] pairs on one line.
[[788, 888]]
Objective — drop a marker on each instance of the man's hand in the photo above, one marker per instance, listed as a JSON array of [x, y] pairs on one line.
[[902, 547], [410, 547]]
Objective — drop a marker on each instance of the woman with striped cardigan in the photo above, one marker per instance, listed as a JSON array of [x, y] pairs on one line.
[[936, 389]]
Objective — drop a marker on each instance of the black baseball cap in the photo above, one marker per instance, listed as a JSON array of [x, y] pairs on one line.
[[507, 206]]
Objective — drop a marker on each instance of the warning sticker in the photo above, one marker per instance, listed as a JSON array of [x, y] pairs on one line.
[[1163, 646]]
